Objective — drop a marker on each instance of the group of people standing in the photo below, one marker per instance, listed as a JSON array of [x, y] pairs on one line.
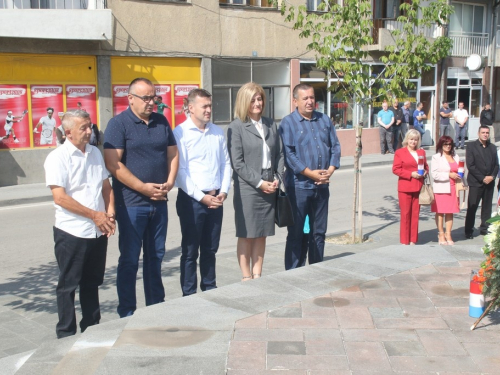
[[394, 122], [147, 159], [482, 164]]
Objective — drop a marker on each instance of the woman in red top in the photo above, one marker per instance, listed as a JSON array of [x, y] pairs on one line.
[[409, 184]]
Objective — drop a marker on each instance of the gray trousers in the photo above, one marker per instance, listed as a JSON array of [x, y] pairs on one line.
[[444, 129], [385, 137], [460, 134]]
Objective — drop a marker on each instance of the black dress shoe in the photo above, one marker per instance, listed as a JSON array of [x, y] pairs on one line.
[[483, 232], [469, 236]]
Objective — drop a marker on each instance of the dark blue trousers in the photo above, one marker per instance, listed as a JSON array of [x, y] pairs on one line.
[[146, 227], [312, 202], [200, 228]]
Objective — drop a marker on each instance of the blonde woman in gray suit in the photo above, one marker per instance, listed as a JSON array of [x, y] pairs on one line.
[[256, 156]]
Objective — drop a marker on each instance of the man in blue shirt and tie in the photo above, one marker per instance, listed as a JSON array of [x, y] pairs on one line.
[[312, 154]]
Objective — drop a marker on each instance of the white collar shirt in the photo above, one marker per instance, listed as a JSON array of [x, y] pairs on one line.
[[461, 115], [204, 163], [266, 152], [81, 175]]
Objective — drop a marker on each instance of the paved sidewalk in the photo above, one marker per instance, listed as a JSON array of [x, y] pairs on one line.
[[414, 322]]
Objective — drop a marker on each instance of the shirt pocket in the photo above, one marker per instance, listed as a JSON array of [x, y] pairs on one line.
[[303, 138]]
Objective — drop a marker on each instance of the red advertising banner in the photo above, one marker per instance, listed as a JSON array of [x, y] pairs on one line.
[[165, 91], [180, 93], [82, 97], [44, 120], [120, 99], [14, 132]]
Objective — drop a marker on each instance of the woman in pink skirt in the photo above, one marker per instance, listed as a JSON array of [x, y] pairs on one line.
[[444, 168]]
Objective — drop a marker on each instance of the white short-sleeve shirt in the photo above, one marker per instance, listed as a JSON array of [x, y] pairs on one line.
[[81, 175]]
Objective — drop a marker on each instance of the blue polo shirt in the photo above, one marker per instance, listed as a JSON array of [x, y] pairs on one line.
[[145, 152], [308, 143], [386, 116]]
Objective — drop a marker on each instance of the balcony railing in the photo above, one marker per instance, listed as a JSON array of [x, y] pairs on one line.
[[52, 4], [466, 44], [391, 24]]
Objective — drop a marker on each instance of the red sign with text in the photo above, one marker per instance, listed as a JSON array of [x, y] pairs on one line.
[[120, 99], [180, 93], [82, 97], [44, 100], [14, 132]]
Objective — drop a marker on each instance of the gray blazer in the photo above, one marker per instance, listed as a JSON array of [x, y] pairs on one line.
[[245, 149]]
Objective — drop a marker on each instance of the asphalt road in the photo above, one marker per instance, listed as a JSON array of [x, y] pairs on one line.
[[28, 269]]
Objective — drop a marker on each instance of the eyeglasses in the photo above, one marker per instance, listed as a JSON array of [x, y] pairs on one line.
[[145, 99]]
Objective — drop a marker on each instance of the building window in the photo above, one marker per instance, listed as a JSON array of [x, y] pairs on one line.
[[313, 5], [467, 19], [229, 75], [52, 4], [252, 3]]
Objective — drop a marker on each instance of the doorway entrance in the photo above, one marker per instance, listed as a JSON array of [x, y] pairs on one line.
[[427, 99]]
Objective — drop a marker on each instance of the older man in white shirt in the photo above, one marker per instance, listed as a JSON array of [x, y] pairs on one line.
[[203, 179], [85, 218]]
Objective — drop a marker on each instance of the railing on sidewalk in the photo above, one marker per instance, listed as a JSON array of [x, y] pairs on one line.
[[466, 44], [52, 4]]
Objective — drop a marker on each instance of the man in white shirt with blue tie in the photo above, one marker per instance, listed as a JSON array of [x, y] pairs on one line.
[[203, 179]]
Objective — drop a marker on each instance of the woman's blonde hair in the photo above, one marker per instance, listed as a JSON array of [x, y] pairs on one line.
[[244, 97], [412, 133]]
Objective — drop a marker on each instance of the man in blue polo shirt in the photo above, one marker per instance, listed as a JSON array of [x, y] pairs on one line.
[[141, 154], [385, 119], [418, 119], [312, 154]]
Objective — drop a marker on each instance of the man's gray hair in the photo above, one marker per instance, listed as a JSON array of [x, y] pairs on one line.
[[67, 120], [406, 103]]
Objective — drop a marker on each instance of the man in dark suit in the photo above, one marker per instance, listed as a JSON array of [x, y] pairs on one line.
[[482, 164]]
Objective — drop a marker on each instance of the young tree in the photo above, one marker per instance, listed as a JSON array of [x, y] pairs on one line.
[[342, 37]]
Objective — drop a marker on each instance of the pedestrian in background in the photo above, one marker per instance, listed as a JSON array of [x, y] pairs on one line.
[[486, 117], [405, 166], [256, 157], [418, 119], [385, 119], [461, 117], [444, 173], [407, 118], [203, 180], [85, 218], [445, 113], [312, 154], [398, 121], [141, 154], [482, 165]]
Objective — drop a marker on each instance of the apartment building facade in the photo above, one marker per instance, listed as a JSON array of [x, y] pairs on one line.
[[58, 53]]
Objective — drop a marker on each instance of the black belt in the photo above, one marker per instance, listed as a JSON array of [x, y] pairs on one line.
[[207, 192]]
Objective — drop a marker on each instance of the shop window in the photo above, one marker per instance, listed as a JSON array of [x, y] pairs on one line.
[[451, 97], [476, 81], [229, 75], [464, 82], [428, 77], [309, 70], [451, 82], [475, 103]]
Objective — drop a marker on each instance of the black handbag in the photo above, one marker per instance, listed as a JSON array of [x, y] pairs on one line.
[[283, 215]]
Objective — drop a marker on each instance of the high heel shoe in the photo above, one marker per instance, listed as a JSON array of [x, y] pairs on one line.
[[447, 235], [440, 236]]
